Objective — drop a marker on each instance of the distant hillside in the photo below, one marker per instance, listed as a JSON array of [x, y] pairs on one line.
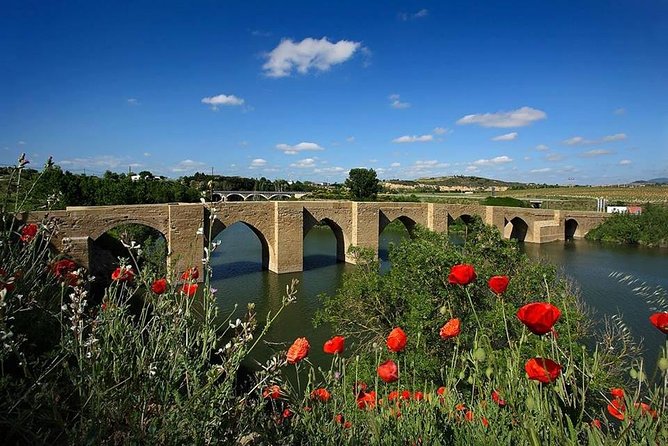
[[469, 181], [662, 180]]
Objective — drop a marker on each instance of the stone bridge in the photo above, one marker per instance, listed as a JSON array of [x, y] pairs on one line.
[[235, 195], [282, 226]]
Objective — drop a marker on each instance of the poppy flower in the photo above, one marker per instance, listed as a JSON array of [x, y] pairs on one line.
[[660, 321], [646, 409], [359, 387], [298, 350], [498, 284], [273, 392], [405, 395], [542, 369], [388, 371], [460, 406], [617, 392], [189, 289], [396, 340], [539, 317], [617, 408], [190, 274], [484, 422], [462, 274], [287, 413], [159, 286], [469, 415], [320, 395], [28, 232], [441, 391], [596, 423], [366, 400], [334, 346], [393, 395], [451, 329], [496, 397], [123, 274], [64, 270], [418, 396]]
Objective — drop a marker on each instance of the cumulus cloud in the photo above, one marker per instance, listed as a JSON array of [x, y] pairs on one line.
[[188, 165], [301, 147], [620, 111], [430, 164], [395, 165], [596, 152], [305, 163], [506, 137], [541, 170], [258, 162], [336, 169], [493, 161], [350, 139], [542, 148], [413, 138], [554, 157], [101, 162], [133, 101], [441, 131], [472, 168], [580, 141], [504, 119], [395, 102], [222, 100], [21, 143], [309, 54], [625, 162]]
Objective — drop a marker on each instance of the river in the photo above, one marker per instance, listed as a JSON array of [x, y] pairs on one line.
[[239, 279]]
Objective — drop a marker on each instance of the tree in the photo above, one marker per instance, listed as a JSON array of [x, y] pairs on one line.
[[363, 184]]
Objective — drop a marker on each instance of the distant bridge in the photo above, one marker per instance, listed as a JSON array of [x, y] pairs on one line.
[[249, 195], [281, 226]]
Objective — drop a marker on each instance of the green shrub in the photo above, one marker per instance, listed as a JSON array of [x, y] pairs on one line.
[[649, 228]]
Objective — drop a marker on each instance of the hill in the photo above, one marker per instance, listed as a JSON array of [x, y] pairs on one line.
[[469, 181], [662, 180]]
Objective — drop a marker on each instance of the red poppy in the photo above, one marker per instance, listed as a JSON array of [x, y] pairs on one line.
[[298, 350], [451, 329], [542, 369], [393, 395], [273, 392], [484, 422], [359, 387], [28, 232], [287, 413], [189, 289], [190, 274], [405, 395], [123, 274], [159, 286], [320, 395], [460, 406], [366, 400], [617, 392], [462, 274], [660, 321], [335, 345], [388, 371], [64, 270], [539, 317], [338, 418], [469, 415], [596, 423], [498, 284], [418, 396], [617, 408], [496, 397], [646, 409], [441, 391], [396, 340]]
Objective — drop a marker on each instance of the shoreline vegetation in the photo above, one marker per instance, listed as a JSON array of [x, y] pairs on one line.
[[457, 344], [650, 228]]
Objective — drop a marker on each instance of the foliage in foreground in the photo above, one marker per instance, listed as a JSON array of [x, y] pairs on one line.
[[649, 228]]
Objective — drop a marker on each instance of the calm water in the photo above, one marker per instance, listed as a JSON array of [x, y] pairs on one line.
[[238, 276]]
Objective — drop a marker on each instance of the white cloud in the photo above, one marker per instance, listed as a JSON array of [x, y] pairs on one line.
[[542, 148], [503, 119], [472, 168], [305, 163], [133, 101], [441, 131], [493, 161], [396, 103], [309, 54], [101, 162], [329, 170], [596, 152], [580, 141], [620, 111], [147, 154], [542, 170], [222, 100], [395, 165], [258, 162], [22, 143], [405, 16], [506, 137], [188, 165], [350, 139], [554, 157], [430, 164], [625, 162], [414, 138], [527, 158], [301, 147]]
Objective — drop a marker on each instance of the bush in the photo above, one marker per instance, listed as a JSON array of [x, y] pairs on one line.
[[649, 228]]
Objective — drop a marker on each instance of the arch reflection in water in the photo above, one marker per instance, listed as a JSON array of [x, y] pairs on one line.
[[393, 233], [322, 246]]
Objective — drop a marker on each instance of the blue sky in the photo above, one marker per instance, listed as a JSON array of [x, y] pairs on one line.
[[557, 92]]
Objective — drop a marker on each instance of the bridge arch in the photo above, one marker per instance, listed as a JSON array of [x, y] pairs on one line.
[[279, 196], [516, 228], [339, 234], [111, 224], [234, 197], [571, 229], [218, 227], [384, 221]]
